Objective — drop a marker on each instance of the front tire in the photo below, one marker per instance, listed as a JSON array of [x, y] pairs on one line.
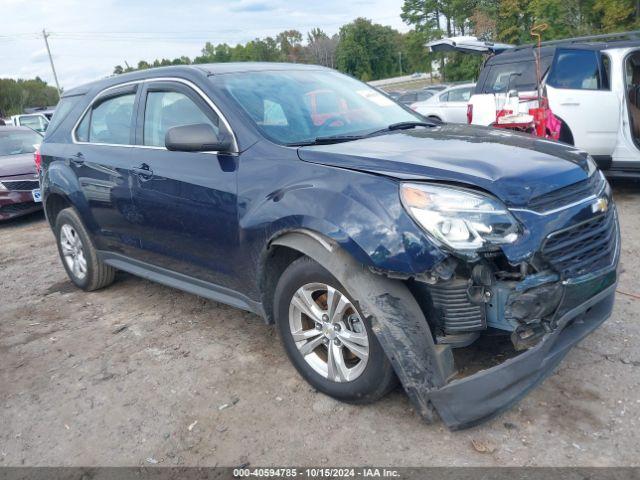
[[326, 337], [79, 255]]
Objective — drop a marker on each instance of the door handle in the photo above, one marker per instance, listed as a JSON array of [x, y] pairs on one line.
[[77, 159], [143, 171]]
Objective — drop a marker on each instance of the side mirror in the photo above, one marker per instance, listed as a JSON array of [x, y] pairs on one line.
[[199, 137]]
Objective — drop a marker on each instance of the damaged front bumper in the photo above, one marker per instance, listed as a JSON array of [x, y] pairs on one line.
[[471, 400]]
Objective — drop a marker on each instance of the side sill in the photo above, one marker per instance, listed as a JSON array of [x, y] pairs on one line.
[[182, 282]]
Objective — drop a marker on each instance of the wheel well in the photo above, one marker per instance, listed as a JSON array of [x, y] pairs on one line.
[[435, 117], [277, 259], [565, 133], [54, 205]]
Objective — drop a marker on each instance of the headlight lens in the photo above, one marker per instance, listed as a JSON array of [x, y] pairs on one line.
[[459, 218], [2, 187]]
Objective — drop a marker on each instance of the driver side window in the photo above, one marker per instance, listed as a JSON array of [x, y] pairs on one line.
[[168, 109]]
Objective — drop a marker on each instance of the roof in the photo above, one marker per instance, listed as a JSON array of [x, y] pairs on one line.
[[201, 68], [520, 54], [458, 85]]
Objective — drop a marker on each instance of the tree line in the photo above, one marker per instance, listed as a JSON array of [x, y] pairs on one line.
[[15, 95], [362, 48], [371, 51]]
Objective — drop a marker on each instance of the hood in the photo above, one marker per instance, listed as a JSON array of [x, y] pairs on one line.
[[13, 165], [513, 167]]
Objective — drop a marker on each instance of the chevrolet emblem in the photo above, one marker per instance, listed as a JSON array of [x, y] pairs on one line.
[[601, 205]]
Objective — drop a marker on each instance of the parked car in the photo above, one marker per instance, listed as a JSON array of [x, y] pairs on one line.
[[436, 87], [35, 121], [46, 111], [413, 96], [19, 188], [592, 85], [448, 106], [379, 245]]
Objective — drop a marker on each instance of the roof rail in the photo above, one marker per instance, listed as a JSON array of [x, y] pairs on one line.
[[630, 35]]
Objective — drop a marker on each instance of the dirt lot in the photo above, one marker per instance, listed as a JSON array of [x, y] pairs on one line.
[[139, 373]]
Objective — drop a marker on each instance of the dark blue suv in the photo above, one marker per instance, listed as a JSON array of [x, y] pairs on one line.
[[383, 246]]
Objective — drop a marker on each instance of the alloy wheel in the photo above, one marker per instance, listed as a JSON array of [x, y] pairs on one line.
[[328, 332], [73, 251]]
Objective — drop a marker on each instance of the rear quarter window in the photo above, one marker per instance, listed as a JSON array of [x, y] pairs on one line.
[[61, 112]]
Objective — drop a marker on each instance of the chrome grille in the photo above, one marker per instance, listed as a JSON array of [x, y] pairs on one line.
[[456, 312], [21, 184], [584, 247], [568, 195]]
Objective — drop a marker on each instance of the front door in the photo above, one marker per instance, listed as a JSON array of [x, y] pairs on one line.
[[186, 201]]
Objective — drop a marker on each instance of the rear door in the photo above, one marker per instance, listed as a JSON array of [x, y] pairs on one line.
[[578, 88], [101, 158], [186, 201]]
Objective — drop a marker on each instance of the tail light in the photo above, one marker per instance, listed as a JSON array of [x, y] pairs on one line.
[[37, 159], [469, 113], [413, 106]]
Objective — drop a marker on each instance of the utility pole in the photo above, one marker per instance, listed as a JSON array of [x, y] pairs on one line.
[[45, 35]]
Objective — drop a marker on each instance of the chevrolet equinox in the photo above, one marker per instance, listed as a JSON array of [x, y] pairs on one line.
[[384, 247]]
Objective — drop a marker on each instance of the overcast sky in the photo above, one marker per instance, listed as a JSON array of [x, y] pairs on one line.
[[88, 38]]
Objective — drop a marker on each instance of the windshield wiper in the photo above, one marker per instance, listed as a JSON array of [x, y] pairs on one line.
[[349, 138], [327, 140], [402, 126]]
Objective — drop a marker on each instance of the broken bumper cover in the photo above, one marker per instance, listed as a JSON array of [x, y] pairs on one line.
[[474, 399]]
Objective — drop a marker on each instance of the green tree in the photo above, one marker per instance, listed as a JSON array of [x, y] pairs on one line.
[[16, 95], [290, 45], [368, 50], [617, 15]]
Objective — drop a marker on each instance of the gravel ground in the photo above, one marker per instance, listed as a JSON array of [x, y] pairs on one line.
[[140, 374]]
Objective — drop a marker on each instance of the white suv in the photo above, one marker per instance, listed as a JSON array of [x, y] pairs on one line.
[[593, 88]]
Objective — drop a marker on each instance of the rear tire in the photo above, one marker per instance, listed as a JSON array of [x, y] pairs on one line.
[[329, 352], [78, 253]]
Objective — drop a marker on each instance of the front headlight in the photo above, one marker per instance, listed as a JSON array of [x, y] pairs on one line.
[[461, 219], [2, 187]]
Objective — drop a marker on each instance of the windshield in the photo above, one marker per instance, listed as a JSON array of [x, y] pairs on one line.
[[299, 106], [17, 142]]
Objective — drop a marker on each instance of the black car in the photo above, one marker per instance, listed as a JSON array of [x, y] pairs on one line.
[[383, 246]]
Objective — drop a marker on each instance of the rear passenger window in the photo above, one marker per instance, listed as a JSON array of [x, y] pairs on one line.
[[108, 121], [166, 110], [575, 70]]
